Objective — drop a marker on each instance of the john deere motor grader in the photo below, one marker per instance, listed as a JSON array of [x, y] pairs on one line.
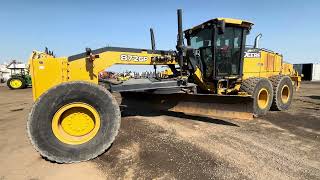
[[75, 119]]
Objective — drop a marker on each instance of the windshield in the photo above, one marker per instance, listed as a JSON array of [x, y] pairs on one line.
[[227, 48]]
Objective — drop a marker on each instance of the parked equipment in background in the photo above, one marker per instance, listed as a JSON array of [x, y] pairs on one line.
[[167, 73], [74, 119], [20, 77]]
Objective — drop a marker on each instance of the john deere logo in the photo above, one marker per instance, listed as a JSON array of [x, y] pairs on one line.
[[252, 53]]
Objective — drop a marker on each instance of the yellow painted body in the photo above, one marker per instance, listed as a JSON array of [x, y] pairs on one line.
[[267, 65], [48, 71]]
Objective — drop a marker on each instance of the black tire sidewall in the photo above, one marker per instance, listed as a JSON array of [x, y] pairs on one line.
[[262, 83], [40, 119], [284, 81]]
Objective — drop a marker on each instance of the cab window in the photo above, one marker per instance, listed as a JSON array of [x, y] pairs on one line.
[[203, 42], [228, 51]]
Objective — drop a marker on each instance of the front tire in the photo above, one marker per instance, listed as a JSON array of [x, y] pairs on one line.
[[73, 122]]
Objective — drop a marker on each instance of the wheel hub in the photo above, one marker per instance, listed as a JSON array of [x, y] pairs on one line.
[[263, 98], [15, 83], [285, 93], [76, 123]]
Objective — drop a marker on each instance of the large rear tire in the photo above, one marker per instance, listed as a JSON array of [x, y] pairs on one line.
[[283, 92], [262, 93], [73, 122], [16, 83]]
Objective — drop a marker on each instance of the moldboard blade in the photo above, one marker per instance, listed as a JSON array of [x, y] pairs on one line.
[[230, 107]]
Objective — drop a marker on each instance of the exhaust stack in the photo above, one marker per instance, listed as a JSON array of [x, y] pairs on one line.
[[180, 45], [256, 40]]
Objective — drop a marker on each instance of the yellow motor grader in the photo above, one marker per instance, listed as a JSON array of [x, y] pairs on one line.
[[75, 119]]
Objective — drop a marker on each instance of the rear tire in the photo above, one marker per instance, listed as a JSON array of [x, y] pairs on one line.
[[283, 92], [40, 125], [262, 93], [12, 85]]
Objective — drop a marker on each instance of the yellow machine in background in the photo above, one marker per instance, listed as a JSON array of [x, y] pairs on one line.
[[75, 119], [167, 73]]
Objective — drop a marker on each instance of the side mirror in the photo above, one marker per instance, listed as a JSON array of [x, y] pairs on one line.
[[221, 27]]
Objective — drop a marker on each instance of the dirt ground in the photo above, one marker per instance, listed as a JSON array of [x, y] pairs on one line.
[[281, 145]]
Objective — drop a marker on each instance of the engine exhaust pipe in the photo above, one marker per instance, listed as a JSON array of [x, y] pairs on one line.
[[180, 40], [180, 33], [256, 40]]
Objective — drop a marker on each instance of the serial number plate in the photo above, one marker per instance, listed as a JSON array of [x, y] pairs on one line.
[[128, 57]]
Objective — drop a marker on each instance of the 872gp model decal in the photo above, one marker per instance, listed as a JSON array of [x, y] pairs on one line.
[[128, 57]]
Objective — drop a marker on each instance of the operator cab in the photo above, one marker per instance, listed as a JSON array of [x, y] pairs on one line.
[[220, 45]]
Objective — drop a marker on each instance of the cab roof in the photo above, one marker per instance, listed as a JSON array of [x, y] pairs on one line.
[[235, 22]]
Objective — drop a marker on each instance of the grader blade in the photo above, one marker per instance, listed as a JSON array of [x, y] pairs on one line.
[[230, 107]]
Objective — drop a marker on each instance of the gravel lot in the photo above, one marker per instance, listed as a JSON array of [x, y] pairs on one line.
[[281, 145]]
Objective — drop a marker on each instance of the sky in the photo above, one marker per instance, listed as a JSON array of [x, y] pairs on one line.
[[290, 27]]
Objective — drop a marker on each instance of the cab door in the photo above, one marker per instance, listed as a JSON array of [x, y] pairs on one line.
[[202, 41], [228, 47]]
